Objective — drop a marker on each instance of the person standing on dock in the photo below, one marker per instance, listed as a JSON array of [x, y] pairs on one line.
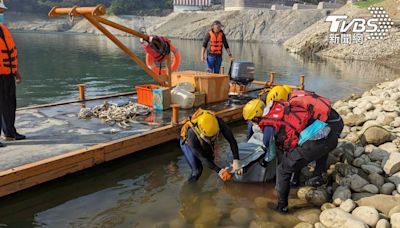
[[9, 76], [213, 43], [198, 142]]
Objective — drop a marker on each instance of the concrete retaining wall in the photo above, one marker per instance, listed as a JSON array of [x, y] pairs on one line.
[[281, 7], [178, 8], [246, 4], [298, 6], [327, 5]]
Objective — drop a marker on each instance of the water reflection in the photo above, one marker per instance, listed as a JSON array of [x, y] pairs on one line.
[[53, 64]]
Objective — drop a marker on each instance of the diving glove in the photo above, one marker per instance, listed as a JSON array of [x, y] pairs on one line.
[[236, 167], [224, 174]]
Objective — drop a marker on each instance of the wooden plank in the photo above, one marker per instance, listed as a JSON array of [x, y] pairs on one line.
[[35, 173]]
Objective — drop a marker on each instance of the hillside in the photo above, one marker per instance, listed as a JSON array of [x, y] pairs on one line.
[[314, 40]]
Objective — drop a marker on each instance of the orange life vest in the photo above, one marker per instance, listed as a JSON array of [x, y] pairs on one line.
[[288, 122], [8, 53], [319, 106], [216, 43]]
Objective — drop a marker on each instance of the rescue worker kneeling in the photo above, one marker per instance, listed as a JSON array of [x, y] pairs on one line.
[[199, 136], [306, 128]]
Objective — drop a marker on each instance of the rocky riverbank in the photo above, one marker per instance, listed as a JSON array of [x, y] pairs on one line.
[[247, 25], [315, 39], [363, 187]]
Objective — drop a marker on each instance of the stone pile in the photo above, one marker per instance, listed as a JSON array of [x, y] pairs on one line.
[[364, 170]]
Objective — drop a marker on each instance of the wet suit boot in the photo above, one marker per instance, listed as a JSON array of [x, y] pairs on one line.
[[16, 137]]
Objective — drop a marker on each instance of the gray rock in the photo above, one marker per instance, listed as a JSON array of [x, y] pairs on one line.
[[383, 203], [359, 195], [387, 188], [357, 183], [372, 169], [376, 179], [395, 220], [358, 151], [317, 197], [345, 169], [358, 162], [341, 194], [302, 192], [394, 210], [376, 135], [378, 155], [336, 217], [395, 179], [382, 223], [348, 205], [368, 215], [354, 119], [371, 189], [392, 164]]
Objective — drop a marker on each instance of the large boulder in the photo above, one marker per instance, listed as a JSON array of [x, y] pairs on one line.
[[382, 223], [382, 203], [390, 106], [368, 215], [341, 194], [317, 197], [376, 135], [392, 164], [337, 218], [395, 220], [377, 154], [309, 216]]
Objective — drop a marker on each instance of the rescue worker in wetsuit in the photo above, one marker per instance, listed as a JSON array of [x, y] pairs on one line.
[[199, 136], [298, 153], [9, 75], [213, 43]]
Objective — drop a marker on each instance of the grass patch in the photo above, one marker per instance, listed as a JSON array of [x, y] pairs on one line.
[[365, 4]]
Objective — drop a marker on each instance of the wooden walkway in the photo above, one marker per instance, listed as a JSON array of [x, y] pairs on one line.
[[59, 143]]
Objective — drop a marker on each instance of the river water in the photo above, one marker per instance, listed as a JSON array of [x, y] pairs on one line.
[[149, 189]]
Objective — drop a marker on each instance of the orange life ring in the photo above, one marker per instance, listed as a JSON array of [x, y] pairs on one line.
[[175, 62]]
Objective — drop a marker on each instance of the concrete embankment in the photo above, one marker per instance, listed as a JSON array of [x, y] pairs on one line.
[[246, 25], [364, 170], [315, 39]]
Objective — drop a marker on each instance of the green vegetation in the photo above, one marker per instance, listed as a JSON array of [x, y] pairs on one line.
[[364, 4], [114, 6]]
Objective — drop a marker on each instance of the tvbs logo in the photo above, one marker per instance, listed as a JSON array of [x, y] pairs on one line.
[[378, 27], [338, 24]]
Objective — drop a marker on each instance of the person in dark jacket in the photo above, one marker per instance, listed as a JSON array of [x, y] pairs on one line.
[[198, 140], [213, 43]]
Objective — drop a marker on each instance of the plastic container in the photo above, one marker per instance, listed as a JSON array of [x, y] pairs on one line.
[[183, 98], [215, 86], [145, 94], [187, 86]]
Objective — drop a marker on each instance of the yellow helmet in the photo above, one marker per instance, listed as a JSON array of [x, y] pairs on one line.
[[278, 93], [253, 108], [207, 124], [288, 88]]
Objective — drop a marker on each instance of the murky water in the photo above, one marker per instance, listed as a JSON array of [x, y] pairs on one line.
[[149, 189]]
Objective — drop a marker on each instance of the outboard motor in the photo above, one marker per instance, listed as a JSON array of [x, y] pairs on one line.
[[241, 75], [242, 72]]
